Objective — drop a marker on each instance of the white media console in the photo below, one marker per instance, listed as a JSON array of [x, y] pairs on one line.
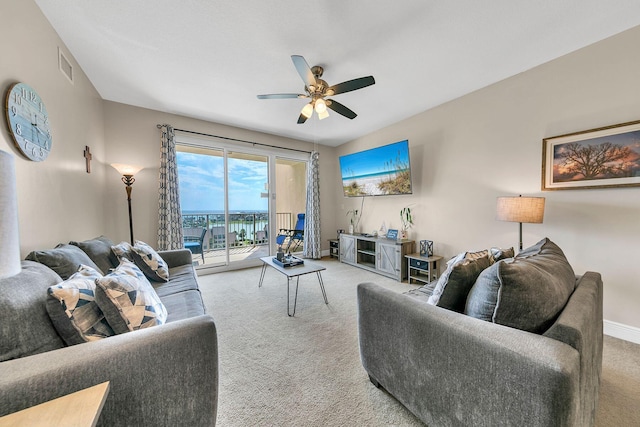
[[378, 254]]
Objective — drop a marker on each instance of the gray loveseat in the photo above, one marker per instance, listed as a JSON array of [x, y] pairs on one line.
[[164, 375], [452, 369]]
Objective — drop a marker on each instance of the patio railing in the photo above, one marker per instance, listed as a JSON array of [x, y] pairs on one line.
[[243, 228]]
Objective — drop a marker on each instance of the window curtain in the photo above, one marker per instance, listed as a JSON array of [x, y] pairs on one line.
[[170, 215], [311, 248]]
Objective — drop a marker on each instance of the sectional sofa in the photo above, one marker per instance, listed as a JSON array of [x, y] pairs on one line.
[[160, 375]]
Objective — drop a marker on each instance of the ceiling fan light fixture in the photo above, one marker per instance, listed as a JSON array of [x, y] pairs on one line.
[[321, 106], [307, 110], [323, 115]]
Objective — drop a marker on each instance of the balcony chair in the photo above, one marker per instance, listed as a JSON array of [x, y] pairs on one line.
[[194, 240], [293, 238]]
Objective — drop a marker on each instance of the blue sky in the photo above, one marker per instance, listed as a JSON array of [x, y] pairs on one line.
[[202, 183], [373, 161]]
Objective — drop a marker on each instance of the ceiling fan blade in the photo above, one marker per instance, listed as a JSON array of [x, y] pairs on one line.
[[304, 70], [302, 119], [350, 85], [282, 96], [341, 109]]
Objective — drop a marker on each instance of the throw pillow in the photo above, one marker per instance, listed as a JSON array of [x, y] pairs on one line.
[[128, 300], [99, 250], [122, 250], [64, 259], [151, 264], [73, 311], [526, 292], [496, 254], [452, 288]]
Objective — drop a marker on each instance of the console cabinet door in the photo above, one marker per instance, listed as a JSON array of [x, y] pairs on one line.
[[347, 249], [388, 258]]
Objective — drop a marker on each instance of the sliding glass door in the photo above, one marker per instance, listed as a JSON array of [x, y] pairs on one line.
[[229, 205], [291, 190]]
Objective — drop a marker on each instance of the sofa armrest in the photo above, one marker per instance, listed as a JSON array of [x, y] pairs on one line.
[[161, 376], [451, 369], [176, 257]]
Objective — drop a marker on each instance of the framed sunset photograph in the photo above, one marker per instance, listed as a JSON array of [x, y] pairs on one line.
[[606, 157]]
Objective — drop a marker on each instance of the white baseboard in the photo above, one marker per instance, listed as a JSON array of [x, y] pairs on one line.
[[619, 330]]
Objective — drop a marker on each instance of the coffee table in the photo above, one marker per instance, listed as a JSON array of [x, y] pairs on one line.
[[81, 408], [290, 273]]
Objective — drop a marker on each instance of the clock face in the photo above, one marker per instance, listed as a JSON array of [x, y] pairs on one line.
[[28, 122]]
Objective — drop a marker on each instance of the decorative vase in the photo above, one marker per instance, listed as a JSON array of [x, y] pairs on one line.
[[350, 228], [403, 234]]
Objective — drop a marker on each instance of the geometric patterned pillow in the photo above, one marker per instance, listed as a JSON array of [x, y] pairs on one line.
[[151, 264], [122, 250], [128, 300], [73, 310], [496, 254]]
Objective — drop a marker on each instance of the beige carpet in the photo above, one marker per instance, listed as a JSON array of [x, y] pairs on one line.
[[306, 371]]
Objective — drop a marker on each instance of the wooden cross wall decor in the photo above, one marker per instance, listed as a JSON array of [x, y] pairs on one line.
[[88, 157]]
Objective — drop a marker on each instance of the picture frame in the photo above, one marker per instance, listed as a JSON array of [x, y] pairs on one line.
[[607, 157], [392, 234]]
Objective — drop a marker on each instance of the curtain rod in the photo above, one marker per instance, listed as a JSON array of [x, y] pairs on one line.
[[237, 140]]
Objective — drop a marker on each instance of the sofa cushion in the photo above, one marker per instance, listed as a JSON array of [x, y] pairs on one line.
[[64, 259], [72, 308], [25, 326], [183, 305], [183, 278], [99, 250], [526, 292], [422, 293], [128, 300], [452, 288], [148, 260]]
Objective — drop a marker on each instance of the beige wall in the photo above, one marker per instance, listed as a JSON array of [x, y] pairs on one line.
[[57, 199], [132, 137], [464, 154], [291, 188], [487, 144]]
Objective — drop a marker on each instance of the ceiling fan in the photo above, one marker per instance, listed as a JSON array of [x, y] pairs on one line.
[[317, 90]]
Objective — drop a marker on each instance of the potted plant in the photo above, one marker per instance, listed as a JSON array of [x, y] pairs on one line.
[[354, 219], [407, 221]]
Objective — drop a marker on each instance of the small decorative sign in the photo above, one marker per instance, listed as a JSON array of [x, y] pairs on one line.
[[392, 234], [426, 247]]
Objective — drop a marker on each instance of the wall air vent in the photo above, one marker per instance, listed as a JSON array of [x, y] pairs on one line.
[[65, 66]]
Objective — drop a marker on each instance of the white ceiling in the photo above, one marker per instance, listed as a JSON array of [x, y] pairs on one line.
[[209, 59]]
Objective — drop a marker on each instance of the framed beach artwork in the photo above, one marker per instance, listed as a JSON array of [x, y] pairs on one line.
[[380, 171], [607, 157]]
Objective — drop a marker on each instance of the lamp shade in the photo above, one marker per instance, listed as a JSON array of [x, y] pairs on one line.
[[520, 209], [321, 106], [126, 169], [307, 110], [9, 236]]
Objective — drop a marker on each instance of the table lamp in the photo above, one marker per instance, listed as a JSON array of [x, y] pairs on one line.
[[521, 209]]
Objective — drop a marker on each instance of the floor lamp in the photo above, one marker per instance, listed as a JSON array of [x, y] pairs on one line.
[[127, 172], [520, 209], [9, 240]]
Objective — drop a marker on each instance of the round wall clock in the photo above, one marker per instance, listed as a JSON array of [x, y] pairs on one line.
[[28, 122]]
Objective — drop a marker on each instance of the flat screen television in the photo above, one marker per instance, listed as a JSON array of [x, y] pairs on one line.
[[381, 171]]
